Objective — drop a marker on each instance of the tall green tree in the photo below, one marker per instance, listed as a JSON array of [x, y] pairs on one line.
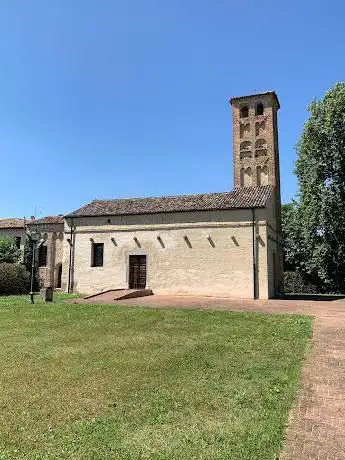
[[28, 252], [8, 250], [292, 242], [320, 169]]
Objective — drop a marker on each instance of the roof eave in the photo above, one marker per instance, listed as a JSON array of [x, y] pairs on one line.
[[272, 93], [165, 212]]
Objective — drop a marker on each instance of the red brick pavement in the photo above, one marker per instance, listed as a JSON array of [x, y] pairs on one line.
[[316, 428]]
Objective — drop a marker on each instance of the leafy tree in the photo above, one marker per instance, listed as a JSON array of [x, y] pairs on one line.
[[320, 169], [14, 279], [296, 277], [28, 252], [292, 241], [8, 250]]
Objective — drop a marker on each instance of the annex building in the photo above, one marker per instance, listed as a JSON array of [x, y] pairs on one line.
[[217, 244]]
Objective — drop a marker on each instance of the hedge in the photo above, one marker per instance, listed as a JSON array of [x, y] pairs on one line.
[[295, 283], [14, 279]]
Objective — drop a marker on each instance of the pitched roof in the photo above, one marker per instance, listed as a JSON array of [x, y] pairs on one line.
[[48, 220], [244, 197], [12, 223], [272, 93]]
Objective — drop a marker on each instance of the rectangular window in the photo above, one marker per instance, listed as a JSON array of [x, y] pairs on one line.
[[97, 255], [17, 240], [42, 256]]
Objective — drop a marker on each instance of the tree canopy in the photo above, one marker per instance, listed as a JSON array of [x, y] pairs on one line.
[[8, 250], [314, 228]]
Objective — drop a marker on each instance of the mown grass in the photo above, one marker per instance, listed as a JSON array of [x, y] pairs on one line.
[[102, 382]]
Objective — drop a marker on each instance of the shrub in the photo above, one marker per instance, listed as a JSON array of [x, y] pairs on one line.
[[8, 250], [14, 279], [296, 283]]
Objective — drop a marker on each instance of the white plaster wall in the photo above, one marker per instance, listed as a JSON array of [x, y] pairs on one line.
[[223, 270]]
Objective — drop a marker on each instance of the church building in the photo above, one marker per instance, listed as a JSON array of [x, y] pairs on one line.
[[215, 244]]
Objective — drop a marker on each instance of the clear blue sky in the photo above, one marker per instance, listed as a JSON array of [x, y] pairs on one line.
[[106, 98]]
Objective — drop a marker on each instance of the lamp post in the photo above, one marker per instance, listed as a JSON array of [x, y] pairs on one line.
[[34, 237]]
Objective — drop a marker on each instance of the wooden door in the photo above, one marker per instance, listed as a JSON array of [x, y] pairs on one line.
[[137, 272]]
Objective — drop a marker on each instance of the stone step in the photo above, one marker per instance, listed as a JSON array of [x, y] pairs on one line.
[[116, 294]]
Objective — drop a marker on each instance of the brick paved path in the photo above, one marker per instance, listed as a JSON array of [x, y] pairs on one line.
[[316, 429]]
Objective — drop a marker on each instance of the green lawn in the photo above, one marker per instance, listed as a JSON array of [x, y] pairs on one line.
[[99, 382]]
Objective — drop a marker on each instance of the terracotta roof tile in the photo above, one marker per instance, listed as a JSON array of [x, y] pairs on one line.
[[48, 220], [12, 223], [272, 93], [244, 197]]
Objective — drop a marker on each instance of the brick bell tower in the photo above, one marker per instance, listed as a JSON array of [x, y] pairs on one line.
[[256, 154], [255, 140]]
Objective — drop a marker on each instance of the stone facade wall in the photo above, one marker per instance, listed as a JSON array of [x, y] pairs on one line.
[[53, 235], [13, 233], [216, 259]]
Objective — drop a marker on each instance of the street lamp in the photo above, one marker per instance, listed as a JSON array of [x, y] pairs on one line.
[[37, 242], [34, 235]]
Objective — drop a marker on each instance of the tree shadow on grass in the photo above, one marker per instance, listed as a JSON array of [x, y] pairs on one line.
[[316, 297]]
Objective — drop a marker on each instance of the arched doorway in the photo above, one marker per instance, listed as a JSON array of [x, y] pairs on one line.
[[58, 276]]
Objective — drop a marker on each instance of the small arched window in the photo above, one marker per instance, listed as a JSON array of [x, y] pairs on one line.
[[245, 149], [244, 129], [244, 111], [259, 110], [260, 144], [262, 175], [260, 148], [246, 177]]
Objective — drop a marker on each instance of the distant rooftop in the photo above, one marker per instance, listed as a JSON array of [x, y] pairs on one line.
[[12, 223], [272, 93], [48, 220]]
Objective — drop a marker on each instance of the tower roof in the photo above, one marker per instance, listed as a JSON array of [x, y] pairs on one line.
[[271, 93]]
